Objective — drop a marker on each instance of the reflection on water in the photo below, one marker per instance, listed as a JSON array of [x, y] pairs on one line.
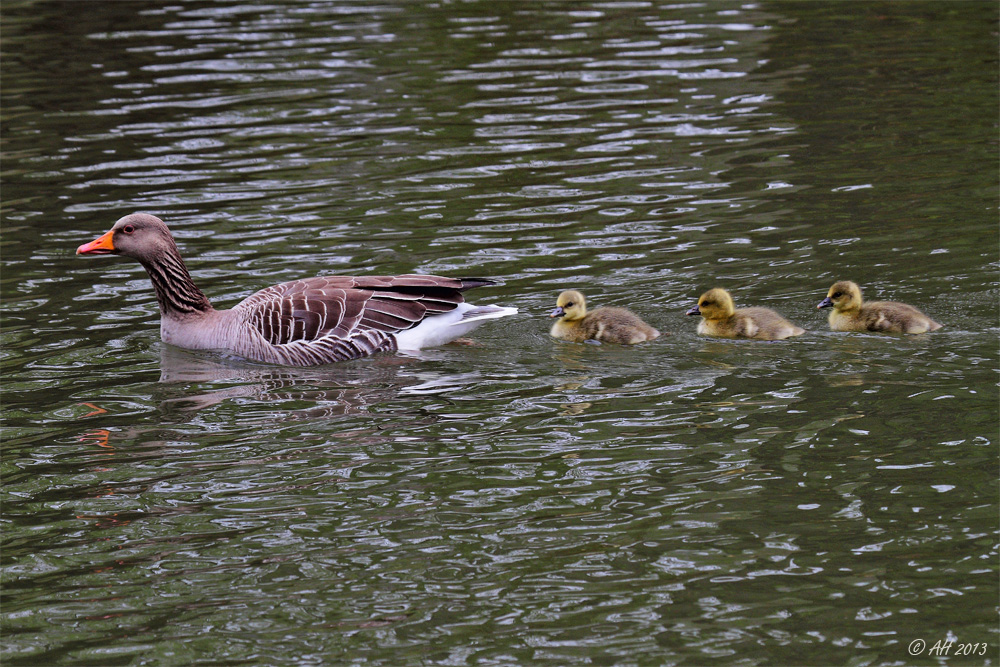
[[822, 500], [351, 393]]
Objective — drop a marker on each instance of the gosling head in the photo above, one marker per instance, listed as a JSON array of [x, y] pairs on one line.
[[570, 306], [715, 304], [844, 295]]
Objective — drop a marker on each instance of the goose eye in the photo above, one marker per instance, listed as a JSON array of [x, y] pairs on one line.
[[128, 229], [837, 295], [568, 305]]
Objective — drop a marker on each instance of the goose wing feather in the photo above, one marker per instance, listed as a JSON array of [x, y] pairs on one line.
[[338, 307]]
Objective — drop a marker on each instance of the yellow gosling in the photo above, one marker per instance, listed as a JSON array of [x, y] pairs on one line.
[[721, 318], [851, 313], [608, 325]]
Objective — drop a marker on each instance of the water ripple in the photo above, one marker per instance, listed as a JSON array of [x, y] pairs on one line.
[[582, 502]]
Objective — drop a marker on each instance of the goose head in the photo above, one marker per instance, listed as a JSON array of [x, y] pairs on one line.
[[140, 236], [570, 306], [844, 295], [715, 304]]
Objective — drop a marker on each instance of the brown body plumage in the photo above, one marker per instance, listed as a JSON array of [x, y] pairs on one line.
[[302, 322], [851, 313], [608, 325], [721, 318]]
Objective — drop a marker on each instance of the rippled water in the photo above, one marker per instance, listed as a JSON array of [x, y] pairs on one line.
[[824, 500]]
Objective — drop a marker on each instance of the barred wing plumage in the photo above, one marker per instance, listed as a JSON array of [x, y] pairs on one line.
[[346, 316]]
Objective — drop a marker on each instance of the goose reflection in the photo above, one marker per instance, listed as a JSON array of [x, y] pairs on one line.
[[352, 388], [392, 387]]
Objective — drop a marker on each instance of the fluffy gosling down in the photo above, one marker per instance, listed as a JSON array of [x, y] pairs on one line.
[[851, 313], [721, 318], [608, 325]]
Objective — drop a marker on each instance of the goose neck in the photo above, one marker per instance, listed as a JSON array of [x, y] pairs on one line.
[[175, 289]]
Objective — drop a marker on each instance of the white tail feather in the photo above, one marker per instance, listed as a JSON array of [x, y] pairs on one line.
[[485, 313], [441, 329]]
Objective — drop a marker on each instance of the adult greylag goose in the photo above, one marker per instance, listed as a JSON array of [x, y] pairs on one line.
[[302, 322], [608, 325], [851, 313], [721, 318]]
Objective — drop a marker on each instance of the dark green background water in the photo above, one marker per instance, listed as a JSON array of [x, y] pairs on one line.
[[825, 500]]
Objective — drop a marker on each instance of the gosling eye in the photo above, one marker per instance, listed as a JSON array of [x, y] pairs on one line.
[[569, 305], [706, 303], [837, 295], [128, 229]]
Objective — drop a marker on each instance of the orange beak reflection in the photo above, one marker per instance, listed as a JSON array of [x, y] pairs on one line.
[[101, 246]]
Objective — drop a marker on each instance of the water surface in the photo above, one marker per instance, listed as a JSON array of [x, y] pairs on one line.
[[824, 500]]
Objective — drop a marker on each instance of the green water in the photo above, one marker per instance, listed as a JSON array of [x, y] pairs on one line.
[[825, 500]]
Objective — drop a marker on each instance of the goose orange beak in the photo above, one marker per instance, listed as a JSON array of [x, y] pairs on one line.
[[101, 246]]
